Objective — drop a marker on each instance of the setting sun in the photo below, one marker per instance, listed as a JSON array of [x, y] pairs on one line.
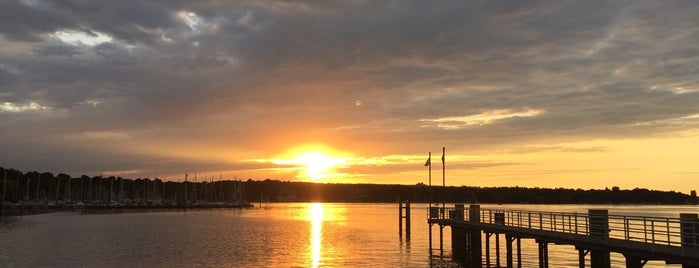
[[318, 164], [314, 162]]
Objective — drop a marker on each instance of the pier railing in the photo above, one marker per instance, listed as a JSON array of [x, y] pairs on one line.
[[651, 230]]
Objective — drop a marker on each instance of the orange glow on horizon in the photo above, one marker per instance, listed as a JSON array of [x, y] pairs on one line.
[[314, 162]]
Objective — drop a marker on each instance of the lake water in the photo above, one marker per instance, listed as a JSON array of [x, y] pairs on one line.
[[279, 235]]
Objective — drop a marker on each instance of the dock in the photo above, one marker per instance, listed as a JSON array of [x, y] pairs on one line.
[[638, 238]]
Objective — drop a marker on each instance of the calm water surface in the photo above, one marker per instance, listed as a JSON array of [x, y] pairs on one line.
[[281, 235]]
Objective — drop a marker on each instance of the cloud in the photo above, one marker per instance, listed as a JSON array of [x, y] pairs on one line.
[[386, 78], [9, 107], [484, 118]]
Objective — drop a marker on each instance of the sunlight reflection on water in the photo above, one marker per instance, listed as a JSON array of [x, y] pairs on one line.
[[315, 215], [285, 235]]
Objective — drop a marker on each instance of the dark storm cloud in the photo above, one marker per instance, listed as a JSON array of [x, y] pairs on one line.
[[57, 50], [251, 69], [23, 22]]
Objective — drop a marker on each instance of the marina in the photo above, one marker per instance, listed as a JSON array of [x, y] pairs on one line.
[[118, 193]]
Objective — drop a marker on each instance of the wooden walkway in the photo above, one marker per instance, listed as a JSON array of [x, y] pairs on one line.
[[638, 238]]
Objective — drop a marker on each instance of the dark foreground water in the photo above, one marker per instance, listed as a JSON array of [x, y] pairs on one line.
[[280, 235]]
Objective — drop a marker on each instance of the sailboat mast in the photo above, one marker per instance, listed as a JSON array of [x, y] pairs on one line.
[[121, 190], [99, 188], [154, 184], [36, 197], [14, 196], [58, 186], [4, 184], [26, 190], [111, 189], [70, 183]]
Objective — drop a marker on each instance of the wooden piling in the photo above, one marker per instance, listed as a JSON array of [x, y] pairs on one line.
[[689, 229], [509, 239], [404, 218], [487, 249], [475, 250], [458, 244], [543, 254], [581, 256], [400, 218], [634, 262], [459, 236], [407, 220], [599, 229]]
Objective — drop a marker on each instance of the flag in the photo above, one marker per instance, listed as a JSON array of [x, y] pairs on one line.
[[442, 156], [427, 163]]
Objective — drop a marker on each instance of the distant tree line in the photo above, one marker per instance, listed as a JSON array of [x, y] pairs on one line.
[[32, 186], [274, 190]]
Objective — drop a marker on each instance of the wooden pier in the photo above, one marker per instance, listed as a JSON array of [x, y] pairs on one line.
[[640, 239]]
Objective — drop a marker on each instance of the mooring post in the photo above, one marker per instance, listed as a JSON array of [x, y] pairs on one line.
[[599, 228], [474, 212], [400, 218], [689, 229], [404, 217], [407, 220]]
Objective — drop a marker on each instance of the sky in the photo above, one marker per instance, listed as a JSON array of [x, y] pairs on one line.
[[574, 94]]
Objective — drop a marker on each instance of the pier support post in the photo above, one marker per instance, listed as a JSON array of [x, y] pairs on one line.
[[459, 236], [430, 237], [487, 249], [433, 214], [509, 239], [689, 229], [519, 252], [599, 228], [474, 212], [441, 242], [543, 254], [458, 212], [634, 262], [458, 244], [497, 250], [581, 257]]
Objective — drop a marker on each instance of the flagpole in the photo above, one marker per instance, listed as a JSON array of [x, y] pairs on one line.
[[429, 159], [443, 178]]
